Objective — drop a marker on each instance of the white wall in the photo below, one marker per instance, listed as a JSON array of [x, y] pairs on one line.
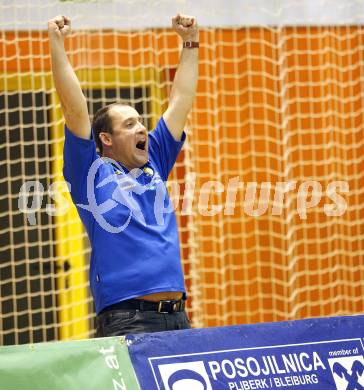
[[130, 14]]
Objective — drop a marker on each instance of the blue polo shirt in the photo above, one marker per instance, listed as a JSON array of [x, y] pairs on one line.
[[129, 218]]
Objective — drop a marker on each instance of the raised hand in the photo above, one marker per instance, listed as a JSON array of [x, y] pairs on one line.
[[59, 27], [186, 27]]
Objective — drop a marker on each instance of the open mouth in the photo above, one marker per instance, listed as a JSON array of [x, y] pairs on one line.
[[141, 145]]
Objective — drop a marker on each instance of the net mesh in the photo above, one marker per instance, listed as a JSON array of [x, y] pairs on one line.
[[279, 109]]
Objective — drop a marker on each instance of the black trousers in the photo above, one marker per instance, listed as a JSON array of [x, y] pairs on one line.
[[121, 322]]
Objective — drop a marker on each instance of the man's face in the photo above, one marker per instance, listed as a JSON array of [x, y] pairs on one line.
[[129, 138]]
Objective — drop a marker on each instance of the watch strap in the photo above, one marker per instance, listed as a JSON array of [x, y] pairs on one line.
[[190, 45]]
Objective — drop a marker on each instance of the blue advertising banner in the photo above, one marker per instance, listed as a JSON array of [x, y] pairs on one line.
[[317, 354]]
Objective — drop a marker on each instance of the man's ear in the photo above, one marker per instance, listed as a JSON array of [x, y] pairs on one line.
[[105, 138]]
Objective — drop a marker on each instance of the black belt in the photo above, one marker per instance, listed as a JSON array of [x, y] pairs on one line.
[[167, 306]]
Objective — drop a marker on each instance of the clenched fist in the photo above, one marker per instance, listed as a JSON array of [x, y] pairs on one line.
[[59, 27], [186, 27]]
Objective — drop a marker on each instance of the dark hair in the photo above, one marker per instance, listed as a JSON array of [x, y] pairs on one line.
[[102, 122]]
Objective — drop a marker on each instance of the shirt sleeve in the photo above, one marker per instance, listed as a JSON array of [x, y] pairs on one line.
[[163, 148], [78, 156]]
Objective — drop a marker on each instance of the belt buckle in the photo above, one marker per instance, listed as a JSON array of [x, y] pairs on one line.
[[160, 304], [172, 308]]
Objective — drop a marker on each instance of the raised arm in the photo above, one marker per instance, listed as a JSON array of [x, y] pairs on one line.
[[72, 99], [185, 80]]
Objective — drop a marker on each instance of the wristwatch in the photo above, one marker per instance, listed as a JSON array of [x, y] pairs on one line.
[[190, 45]]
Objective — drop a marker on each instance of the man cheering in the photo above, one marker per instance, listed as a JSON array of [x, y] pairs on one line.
[[136, 275]]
